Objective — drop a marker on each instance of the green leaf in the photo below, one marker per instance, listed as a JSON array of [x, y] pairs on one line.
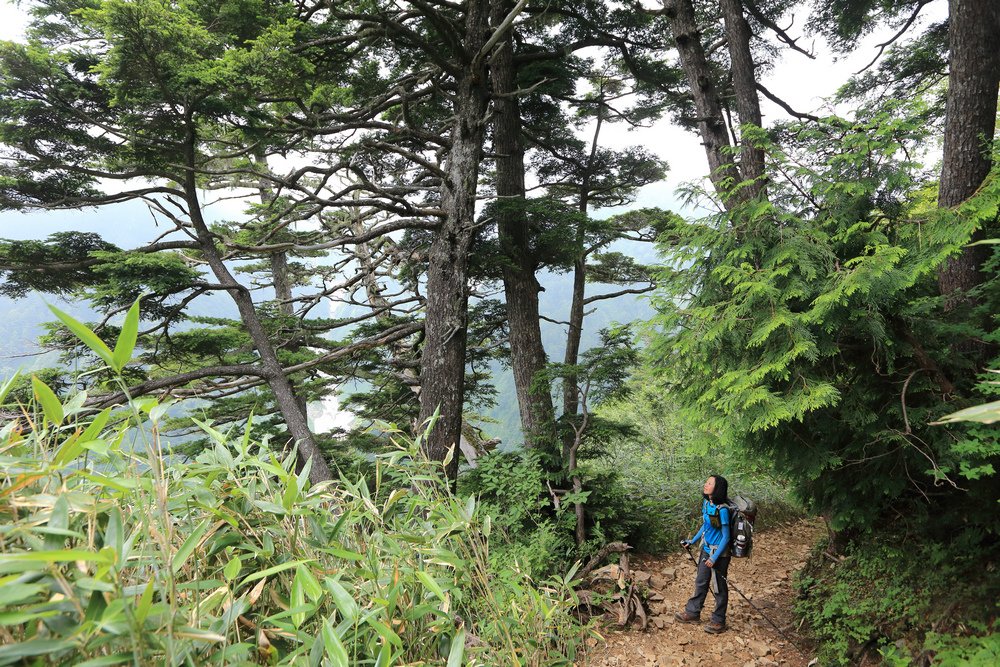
[[384, 657], [86, 336], [61, 556], [232, 568], [114, 533], [274, 570], [310, 585], [7, 386], [291, 494], [189, 545], [385, 631], [102, 447], [126, 338], [457, 651], [160, 409], [28, 649], [345, 602], [429, 582], [216, 435], [334, 648], [50, 402], [987, 413], [122, 484], [347, 555], [145, 602], [22, 617], [59, 519], [270, 508], [297, 599], [117, 659], [18, 593], [68, 451]]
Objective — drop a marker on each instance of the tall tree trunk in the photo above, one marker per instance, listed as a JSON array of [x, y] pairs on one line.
[[442, 363], [571, 388], [471, 444], [745, 87], [279, 271], [970, 122], [573, 437], [272, 371], [282, 282], [283, 295], [711, 122], [571, 397], [520, 284]]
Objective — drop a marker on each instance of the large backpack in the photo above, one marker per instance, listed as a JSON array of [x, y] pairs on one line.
[[742, 513]]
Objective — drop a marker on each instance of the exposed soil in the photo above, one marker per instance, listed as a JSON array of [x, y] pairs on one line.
[[750, 641]]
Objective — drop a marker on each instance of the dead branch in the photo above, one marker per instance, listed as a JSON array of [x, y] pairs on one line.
[[605, 551]]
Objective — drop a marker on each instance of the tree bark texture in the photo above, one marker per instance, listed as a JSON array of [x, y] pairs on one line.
[[711, 122], [272, 371], [970, 122], [571, 388], [520, 284], [745, 88], [571, 398], [442, 363], [282, 282], [279, 271]]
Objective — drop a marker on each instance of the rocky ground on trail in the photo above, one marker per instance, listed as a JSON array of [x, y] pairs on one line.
[[765, 578]]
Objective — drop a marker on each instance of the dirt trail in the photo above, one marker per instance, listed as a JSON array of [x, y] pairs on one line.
[[751, 641]]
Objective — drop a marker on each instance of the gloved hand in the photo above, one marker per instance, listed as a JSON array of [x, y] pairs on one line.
[[685, 543]]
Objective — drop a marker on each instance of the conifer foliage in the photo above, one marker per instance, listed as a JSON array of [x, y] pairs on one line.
[[808, 326]]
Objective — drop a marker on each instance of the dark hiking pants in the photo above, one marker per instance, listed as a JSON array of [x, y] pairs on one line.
[[701, 586]]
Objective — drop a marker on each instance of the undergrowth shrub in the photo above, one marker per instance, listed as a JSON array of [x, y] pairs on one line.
[[659, 471], [903, 598], [113, 550], [982, 648], [511, 489]]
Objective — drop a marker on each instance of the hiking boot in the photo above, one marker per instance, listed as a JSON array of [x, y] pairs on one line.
[[685, 617], [714, 628]]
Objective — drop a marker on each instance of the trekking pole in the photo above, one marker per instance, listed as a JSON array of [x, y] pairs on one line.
[[759, 610]]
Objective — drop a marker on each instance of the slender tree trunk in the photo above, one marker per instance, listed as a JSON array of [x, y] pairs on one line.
[[745, 87], [279, 272], [442, 363], [470, 443], [282, 282], [278, 259], [272, 371], [571, 467], [711, 122], [571, 388], [571, 398], [283, 295], [520, 284], [970, 122]]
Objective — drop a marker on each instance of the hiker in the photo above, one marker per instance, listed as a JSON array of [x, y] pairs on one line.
[[715, 557]]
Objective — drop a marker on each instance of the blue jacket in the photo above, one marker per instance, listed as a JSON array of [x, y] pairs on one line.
[[716, 539]]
